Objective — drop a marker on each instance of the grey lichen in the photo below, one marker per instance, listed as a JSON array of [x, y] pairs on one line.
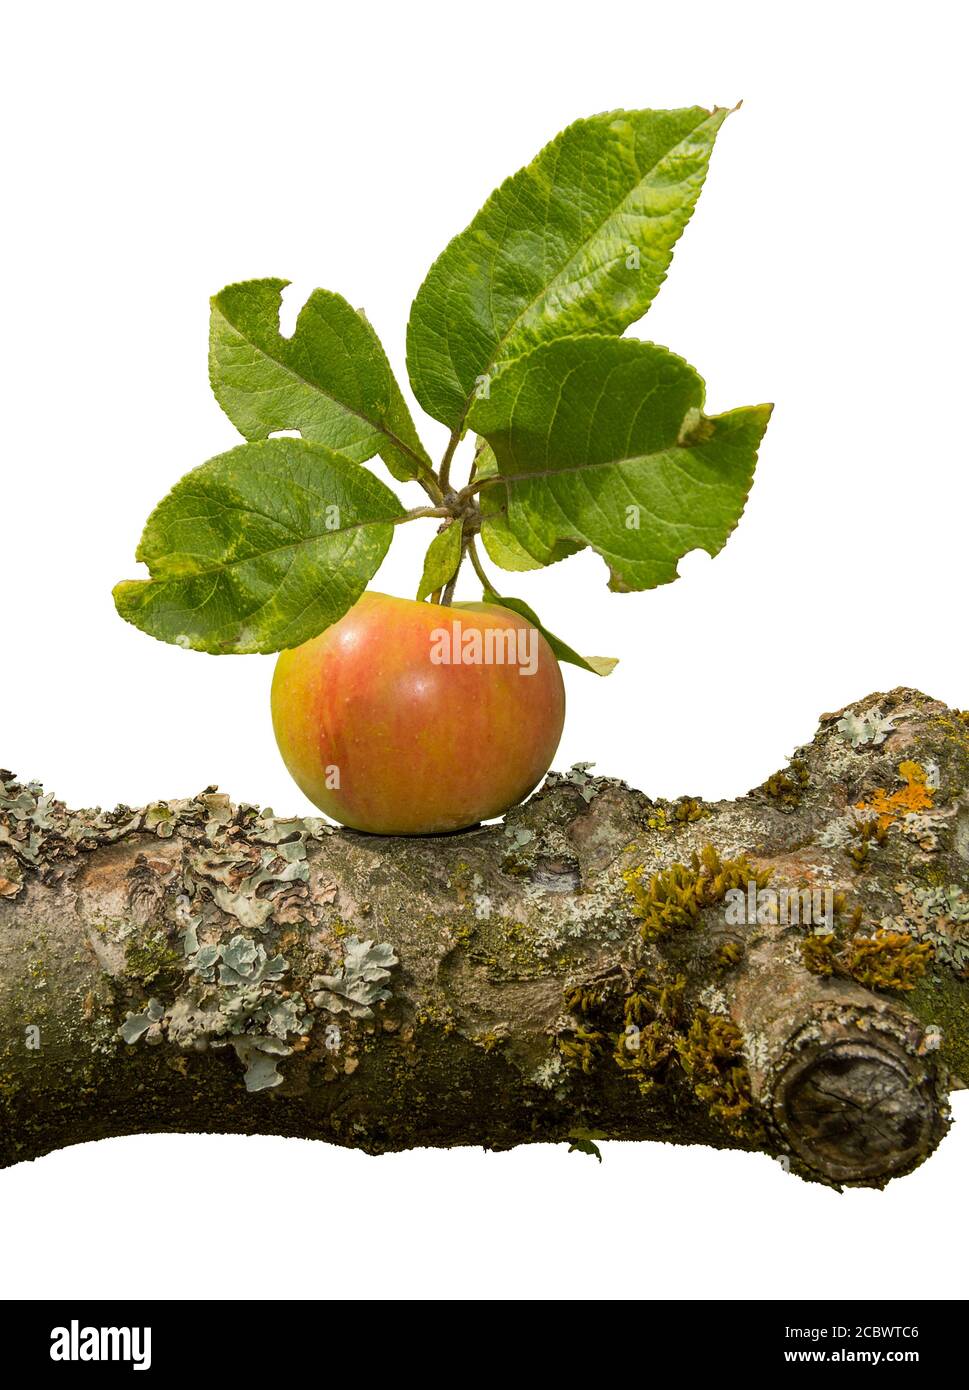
[[26, 813], [136, 1026], [36, 830], [868, 728], [548, 1074], [360, 982], [713, 998], [245, 865], [235, 873], [578, 777], [244, 962], [938, 915], [240, 863], [11, 876], [233, 1002], [260, 1057], [519, 835], [247, 857]]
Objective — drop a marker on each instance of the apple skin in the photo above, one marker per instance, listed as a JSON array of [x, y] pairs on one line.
[[420, 748]]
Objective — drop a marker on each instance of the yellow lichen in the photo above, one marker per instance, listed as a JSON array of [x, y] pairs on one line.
[[915, 795], [956, 728]]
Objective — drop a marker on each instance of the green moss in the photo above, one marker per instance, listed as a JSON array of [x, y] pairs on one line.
[[640, 1024], [787, 787], [887, 960], [675, 898], [819, 953], [941, 1001], [655, 999], [582, 1047], [591, 997], [668, 815], [883, 960], [652, 1013], [873, 831], [711, 1054], [509, 950], [728, 954], [645, 1054], [155, 963]]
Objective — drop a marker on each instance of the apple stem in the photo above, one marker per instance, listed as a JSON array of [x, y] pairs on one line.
[[478, 568]]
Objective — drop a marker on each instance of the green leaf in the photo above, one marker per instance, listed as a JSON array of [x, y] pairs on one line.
[[331, 380], [260, 549], [602, 441], [598, 665], [579, 241], [584, 1146], [441, 561], [501, 543]]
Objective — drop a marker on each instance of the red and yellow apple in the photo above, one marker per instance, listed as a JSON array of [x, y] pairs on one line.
[[409, 718]]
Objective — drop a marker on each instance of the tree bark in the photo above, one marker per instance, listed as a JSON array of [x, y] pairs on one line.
[[196, 966]]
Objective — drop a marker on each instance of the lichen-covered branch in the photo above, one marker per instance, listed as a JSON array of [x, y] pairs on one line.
[[787, 972]]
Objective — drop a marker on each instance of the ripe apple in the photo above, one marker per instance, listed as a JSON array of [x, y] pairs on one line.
[[409, 718]]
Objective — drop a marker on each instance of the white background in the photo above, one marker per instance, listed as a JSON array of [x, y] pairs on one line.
[[155, 153]]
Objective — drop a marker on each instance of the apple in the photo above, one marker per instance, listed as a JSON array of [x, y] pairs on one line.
[[409, 718]]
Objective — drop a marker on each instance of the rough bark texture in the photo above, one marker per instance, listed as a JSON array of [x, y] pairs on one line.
[[196, 966]]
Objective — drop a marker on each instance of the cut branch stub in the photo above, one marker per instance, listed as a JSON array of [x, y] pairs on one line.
[[856, 1101]]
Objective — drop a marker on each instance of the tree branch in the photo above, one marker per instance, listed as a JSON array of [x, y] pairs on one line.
[[197, 966]]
